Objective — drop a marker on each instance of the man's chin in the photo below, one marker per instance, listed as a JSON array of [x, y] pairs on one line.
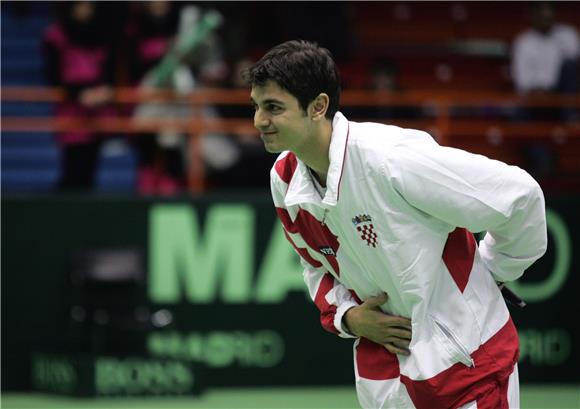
[[272, 149]]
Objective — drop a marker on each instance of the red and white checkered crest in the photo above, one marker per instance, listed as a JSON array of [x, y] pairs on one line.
[[364, 226]]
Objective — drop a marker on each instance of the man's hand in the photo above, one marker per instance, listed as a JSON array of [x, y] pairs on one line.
[[367, 320]]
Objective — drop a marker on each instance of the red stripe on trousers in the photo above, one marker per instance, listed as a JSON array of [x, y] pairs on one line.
[[485, 383], [458, 255], [327, 311]]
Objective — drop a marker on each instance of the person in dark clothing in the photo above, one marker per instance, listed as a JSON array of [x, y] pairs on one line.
[[80, 59]]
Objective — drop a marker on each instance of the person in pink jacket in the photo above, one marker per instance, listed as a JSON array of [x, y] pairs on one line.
[[79, 58], [383, 220]]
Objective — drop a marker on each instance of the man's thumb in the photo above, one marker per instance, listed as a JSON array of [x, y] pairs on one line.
[[377, 300]]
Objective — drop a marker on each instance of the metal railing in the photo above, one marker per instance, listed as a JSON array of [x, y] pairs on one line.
[[441, 125]]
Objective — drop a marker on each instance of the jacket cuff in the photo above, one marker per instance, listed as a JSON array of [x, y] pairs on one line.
[[492, 261], [340, 311]]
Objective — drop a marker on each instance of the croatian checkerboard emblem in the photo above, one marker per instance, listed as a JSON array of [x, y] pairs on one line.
[[364, 225]]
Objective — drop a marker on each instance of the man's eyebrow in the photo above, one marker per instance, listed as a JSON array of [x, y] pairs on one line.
[[268, 101], [273, 100]]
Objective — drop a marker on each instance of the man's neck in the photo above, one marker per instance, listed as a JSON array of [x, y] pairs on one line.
[[315, 155]]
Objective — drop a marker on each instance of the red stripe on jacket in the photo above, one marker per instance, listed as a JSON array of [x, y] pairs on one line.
[[327, 311], [286, 167], [303, 252], [373, 361], [316, 235], [458, 255]]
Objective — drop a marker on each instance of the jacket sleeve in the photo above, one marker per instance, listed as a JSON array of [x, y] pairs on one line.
[[331, 297], [479, 194]]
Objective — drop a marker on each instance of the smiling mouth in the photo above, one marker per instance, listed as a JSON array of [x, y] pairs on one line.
[[267, 135]]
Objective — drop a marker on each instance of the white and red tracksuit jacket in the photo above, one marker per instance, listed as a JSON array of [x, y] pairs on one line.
[[397, 217]]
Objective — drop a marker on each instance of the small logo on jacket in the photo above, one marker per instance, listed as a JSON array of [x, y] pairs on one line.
[[327, 250], [364, 225]]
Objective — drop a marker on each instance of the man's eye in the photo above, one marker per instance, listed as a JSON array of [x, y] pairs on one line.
[[274, 108]]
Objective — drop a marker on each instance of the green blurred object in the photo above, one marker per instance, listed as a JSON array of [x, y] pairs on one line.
[[342, 397], [185, 43]]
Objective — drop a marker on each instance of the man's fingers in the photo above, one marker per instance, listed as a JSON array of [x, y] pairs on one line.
[[401, 343], [396, 350], [395, 321], [395, 341], [376, 301], [402, 333]]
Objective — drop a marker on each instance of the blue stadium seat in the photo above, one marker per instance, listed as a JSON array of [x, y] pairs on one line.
[[30, 160], [21, 48], [29, 179], [18, 139], [43, 109], [33, 156], [116, 169]]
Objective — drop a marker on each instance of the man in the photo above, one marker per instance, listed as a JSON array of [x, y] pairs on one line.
[[545, 57], [381, 217]]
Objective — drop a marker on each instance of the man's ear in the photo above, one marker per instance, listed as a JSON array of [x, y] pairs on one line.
[[319, 106]]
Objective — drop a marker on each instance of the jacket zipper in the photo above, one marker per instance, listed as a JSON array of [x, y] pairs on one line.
[[464, 355], [323, 222]]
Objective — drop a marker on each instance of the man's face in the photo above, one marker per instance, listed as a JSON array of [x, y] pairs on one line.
[[83, 11], [282, 123], [543, 17]]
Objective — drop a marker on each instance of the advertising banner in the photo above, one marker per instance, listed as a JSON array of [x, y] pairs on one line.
[[224, 289], [86, 375]]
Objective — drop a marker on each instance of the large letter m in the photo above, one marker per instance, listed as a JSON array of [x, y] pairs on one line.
[[181, 260]]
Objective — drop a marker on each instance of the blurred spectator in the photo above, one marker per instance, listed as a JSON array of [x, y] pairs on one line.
[[209, 67], [150, 35], [545, 60], [545, 57], [161, 29], [79, 58]]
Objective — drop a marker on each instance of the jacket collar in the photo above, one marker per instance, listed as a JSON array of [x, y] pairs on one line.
[[301, 188]]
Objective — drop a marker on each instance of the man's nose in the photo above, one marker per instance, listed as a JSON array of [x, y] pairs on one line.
[[261, 121]]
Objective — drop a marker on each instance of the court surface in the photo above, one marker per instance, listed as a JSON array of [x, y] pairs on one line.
[[537, 397]]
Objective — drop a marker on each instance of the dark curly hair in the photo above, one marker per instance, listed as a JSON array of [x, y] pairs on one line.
[[302, 68]]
